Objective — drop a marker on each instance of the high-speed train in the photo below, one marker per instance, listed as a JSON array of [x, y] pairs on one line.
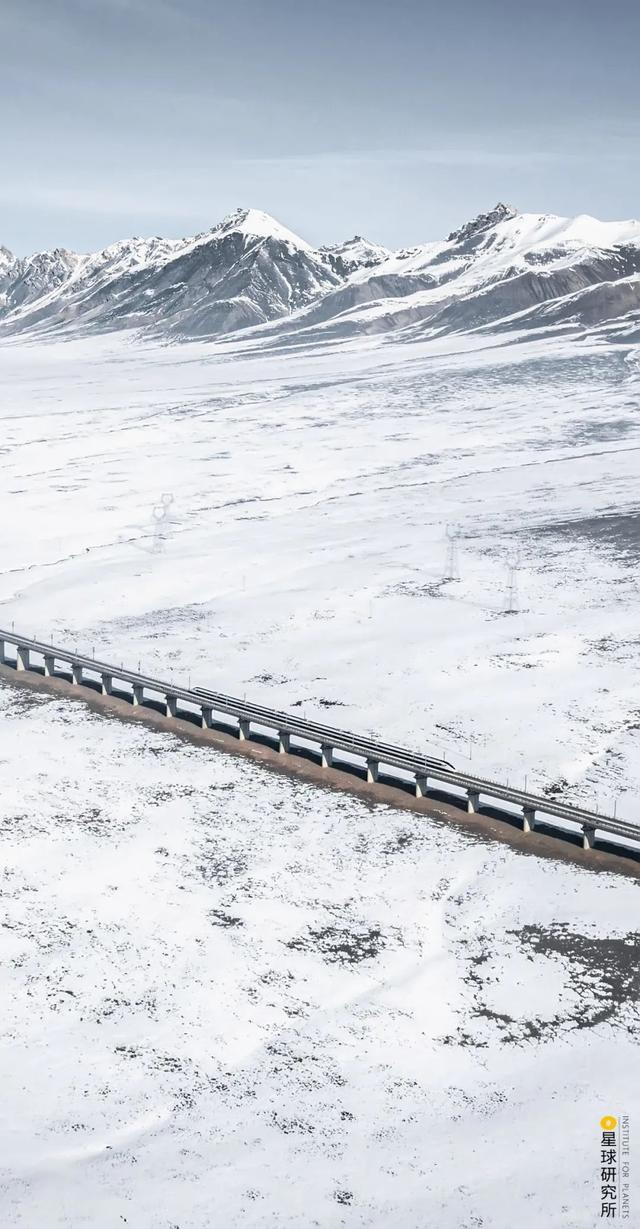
[[328, 734]]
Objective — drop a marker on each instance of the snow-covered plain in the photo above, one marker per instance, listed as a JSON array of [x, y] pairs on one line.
[[274, 522], [231, 999]]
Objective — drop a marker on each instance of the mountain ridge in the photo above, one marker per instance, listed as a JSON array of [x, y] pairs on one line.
[[249, 271]]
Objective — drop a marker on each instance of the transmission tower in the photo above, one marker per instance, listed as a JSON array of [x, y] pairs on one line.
[[452, 569], [511, 595]]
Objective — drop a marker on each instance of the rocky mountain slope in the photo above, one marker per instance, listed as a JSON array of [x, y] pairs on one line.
[[500, 270], [503, 270], [247, 270]]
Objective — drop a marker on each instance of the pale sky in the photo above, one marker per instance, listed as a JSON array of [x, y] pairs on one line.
[[396, 119]]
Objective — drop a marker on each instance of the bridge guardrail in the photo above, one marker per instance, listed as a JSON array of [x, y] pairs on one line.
[[372, 750]]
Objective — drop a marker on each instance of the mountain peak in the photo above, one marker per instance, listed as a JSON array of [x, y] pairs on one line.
[[484, 221], [356, 253], [254, 224]]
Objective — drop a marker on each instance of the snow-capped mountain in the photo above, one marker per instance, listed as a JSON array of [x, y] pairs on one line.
[[26, 281], [499, 270], [356, 253], [7, 262], [247, 270], [484, 221]]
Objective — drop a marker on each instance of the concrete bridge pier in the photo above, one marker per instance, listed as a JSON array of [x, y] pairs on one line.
[[284, 742], [49, 666], [588, 836], [528, 819], [326, 756], [138, 694], [373, 769], [76, 673], [106, 684], [2, 656], [473, 801], [22, 658], [206, 717], [421, 786], [171, 704], [244, 728]]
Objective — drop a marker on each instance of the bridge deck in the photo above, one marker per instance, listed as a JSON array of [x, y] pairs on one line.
[[370, 749]]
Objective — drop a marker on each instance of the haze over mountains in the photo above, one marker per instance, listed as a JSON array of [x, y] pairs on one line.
[[501, 270]]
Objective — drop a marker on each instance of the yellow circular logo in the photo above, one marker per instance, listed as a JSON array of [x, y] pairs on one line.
[[608, 1123]]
